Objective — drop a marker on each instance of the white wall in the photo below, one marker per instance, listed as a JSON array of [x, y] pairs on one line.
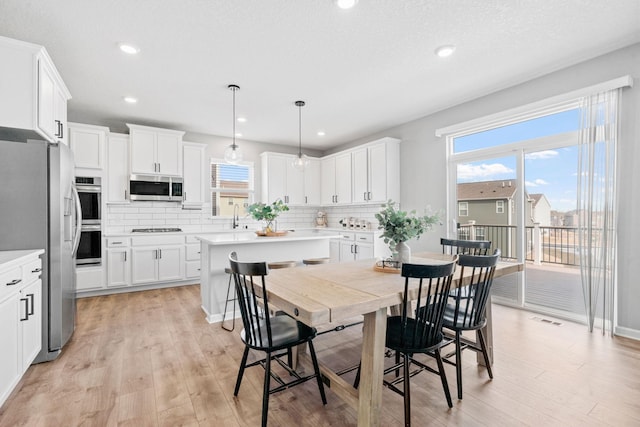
[[423, 159]]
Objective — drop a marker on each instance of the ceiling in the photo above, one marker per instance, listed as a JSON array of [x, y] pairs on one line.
[[360, 71]]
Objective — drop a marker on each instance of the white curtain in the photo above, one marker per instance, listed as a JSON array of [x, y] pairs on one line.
[[597, 205]]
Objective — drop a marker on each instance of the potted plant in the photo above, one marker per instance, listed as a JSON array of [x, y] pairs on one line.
[[267, 213], [400, 226]]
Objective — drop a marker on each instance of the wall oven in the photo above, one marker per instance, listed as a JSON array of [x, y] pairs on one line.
[[90, 193], [90, 247]]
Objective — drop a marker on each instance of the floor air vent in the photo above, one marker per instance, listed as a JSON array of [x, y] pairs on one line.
[[543, 320]]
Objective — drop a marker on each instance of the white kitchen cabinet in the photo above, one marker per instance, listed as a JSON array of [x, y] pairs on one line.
[[194, 170], [376, 171], [155, 151], [280, 180], [192, 257], [34, 104], [87, 143], [356, 245], [157, 258], [118, 267], [20, 315], [335, 174], [89, 278], [117, 168]]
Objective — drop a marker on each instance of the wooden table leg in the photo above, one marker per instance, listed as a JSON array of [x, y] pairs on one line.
[[370, 390]]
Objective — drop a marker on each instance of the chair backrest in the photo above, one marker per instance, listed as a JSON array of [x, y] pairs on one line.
[[433, 284], [251, 291], [470, 306], [467, 247]]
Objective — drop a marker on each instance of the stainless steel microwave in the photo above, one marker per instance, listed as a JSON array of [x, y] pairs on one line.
[[152, 187]]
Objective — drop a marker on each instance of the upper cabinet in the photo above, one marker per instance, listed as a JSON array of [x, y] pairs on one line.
[[87, 143], [34, 104], [194, 175], [280, 180], [376, 171], [335, 173], [155, 151], [117, 168]]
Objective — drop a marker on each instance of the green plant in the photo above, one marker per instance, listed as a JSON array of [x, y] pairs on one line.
[[400, 226], [264, 212]]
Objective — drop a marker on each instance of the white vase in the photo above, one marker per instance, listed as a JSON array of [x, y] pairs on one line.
[[403, 253]]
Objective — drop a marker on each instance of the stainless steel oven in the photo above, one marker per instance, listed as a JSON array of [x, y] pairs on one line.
[[90, 193], [90, 246]]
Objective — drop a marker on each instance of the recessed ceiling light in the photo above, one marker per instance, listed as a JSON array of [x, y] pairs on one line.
[[242, 119], [130, 99], [446, 50], [321, 133], [128, 48], [346, 4]]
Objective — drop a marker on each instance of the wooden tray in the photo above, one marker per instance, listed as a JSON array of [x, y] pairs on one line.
[[271, 233], [386, 269]]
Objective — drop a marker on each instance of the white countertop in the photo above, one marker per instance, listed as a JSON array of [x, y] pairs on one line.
[[9, 259], [333, 231], [250, 237]]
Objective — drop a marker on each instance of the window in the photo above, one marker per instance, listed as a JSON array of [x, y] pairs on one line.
[[480, 233], [230, 185], [499, 206], [463, 208]]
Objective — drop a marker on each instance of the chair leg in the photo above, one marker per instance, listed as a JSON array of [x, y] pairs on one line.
[[241, 371], [316, 368], [485, 353], [407, 391], [443, 377], [224, 313], [290, 358], [356, 382], [265, 394], [397, 363], [459, 364]]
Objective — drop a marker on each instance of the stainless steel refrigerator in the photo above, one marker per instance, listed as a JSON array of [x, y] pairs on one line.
[[39, 208]]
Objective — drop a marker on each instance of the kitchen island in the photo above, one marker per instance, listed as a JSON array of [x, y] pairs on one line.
[[214, 256]]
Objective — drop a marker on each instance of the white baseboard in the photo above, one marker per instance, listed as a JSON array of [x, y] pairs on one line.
[[627, 332]]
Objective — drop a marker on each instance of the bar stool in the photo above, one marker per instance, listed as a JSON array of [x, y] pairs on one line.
[[315, 261], [228, 271], [281, 264]]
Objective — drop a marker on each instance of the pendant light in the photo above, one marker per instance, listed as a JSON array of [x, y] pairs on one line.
[[233, 154], [301, 161]]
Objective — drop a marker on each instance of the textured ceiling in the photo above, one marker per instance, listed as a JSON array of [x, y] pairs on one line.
[[360, 71]]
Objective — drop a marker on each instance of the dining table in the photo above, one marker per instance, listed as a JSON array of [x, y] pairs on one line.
[[335, 292]]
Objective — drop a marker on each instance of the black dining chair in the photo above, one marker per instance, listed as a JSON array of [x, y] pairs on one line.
[[466, 311], [275, 336], [418, 330], [466, 247]]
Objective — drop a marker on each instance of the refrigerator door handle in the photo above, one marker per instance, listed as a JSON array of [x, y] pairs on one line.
[[76, 238]]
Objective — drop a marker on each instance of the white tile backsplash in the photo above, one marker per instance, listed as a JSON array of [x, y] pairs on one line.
[[122, 218]]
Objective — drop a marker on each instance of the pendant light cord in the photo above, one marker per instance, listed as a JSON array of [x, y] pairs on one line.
[[300, 104]]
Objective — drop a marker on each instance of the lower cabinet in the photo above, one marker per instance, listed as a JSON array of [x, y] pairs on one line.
[[354, 246], [21, 320], [192, 256], [157, 259], [118, 267]]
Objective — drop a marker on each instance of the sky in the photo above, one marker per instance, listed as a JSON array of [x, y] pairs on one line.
[[550, 172]]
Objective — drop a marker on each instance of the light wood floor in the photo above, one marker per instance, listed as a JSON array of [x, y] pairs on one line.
[[150, 359]]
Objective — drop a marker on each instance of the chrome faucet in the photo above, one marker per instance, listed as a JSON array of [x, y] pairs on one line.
[[236, 220]]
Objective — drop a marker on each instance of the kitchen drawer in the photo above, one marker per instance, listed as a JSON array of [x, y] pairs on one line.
[[10, 281], [193, 252], [31, 270], [348, 235], [364, 237], [117, 242], [157, 240], [191, 238]]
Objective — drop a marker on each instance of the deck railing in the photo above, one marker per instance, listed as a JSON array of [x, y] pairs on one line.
[[554, 245]]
